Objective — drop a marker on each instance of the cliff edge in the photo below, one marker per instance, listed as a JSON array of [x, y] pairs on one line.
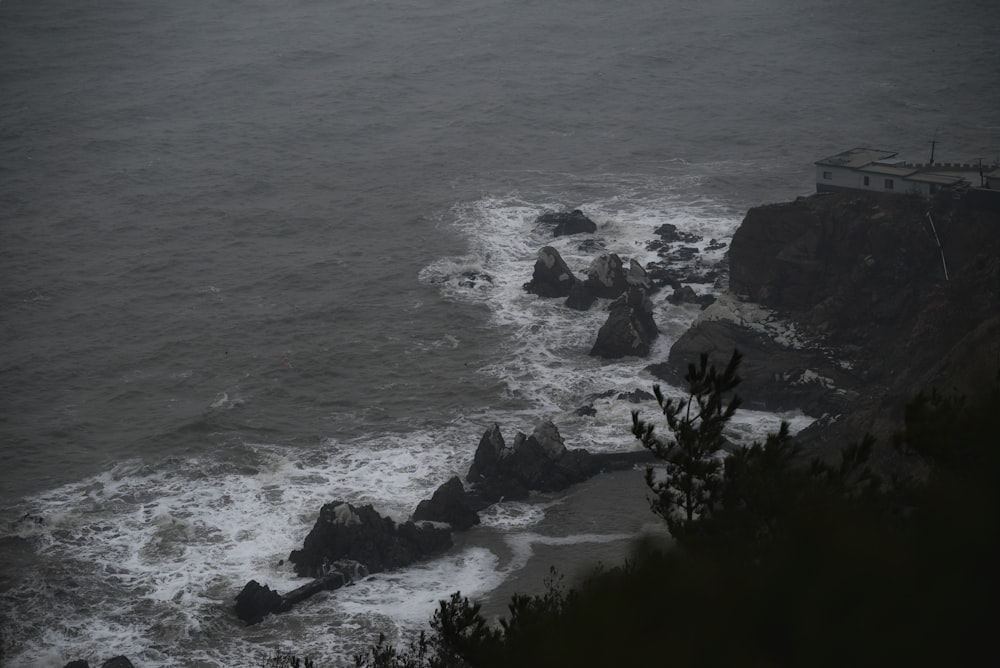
[[847, 305]]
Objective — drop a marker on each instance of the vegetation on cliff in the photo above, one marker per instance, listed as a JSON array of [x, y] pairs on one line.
[[785, 563]]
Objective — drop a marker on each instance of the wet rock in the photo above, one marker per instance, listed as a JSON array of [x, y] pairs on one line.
[[567, 223], [636, 396], [587, 410], [629, 329], [540, 462], [117, 662], [606, 277], [360, 534], [449, 504], [475, 279], [636, 276], [667, 232], [551, 276], [686, 295], [79, 663], [257, 601]]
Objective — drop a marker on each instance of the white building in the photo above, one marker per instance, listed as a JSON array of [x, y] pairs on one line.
[[874, 170]]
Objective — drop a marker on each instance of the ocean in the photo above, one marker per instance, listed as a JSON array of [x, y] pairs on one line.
[[256, 256]]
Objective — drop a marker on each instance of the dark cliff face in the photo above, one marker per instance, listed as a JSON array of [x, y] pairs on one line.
[[862, 277]]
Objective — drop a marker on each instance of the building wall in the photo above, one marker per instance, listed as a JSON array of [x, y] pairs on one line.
[[832, 179]]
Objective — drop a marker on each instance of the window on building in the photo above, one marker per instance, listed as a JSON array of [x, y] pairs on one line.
[[828, 176], [867, 181], [888, 184]]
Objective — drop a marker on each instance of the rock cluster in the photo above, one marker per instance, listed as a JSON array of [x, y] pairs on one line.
[[841, 305], [348, 542], [630, 328], [567, 223], [361, 534]]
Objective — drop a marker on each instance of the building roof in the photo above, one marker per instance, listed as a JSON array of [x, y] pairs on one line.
[[888, 170], [856, 157], [940, 179]]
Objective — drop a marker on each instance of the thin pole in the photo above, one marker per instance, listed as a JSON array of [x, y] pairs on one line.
[[938, 240]]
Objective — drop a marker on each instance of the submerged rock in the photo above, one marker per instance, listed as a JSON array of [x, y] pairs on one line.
[[117, 662], [567, 223]]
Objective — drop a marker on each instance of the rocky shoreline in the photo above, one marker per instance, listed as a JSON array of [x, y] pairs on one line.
[[839, 303], [844, 306]]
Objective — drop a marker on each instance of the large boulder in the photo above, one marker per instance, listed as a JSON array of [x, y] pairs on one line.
[[117, 662], [540, 462], [114, 662], [779, 373], [568, 222], [449, 504], [607, 277], [344, 531], [629, 329], [880, 311], [551, 276], [257, 601]]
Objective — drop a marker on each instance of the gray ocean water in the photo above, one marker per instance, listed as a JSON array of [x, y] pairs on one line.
[[235, 248]]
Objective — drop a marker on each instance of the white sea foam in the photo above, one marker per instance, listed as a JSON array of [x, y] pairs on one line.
[[168, 546], [545, 362]]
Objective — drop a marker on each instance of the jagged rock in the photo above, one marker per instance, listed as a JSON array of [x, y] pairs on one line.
[[257, 601], [636, 396], [117, 662], [629, 329], [606, 277], [547, 436], [587, 410], [343, 531], [864, 276], [551, 276], [567, 223], [491, 450], [667, 233], [636, 276], [540, 462], [449, 504]]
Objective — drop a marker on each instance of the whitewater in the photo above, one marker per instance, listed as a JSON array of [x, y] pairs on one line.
[[257, 257]]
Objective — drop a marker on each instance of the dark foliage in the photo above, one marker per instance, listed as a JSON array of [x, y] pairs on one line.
[[690, 456], [787, 563]]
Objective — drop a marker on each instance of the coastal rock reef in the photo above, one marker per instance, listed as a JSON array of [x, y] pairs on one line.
[[845, 305]]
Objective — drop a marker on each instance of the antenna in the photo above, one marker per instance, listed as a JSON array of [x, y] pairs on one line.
[[933, 144]]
